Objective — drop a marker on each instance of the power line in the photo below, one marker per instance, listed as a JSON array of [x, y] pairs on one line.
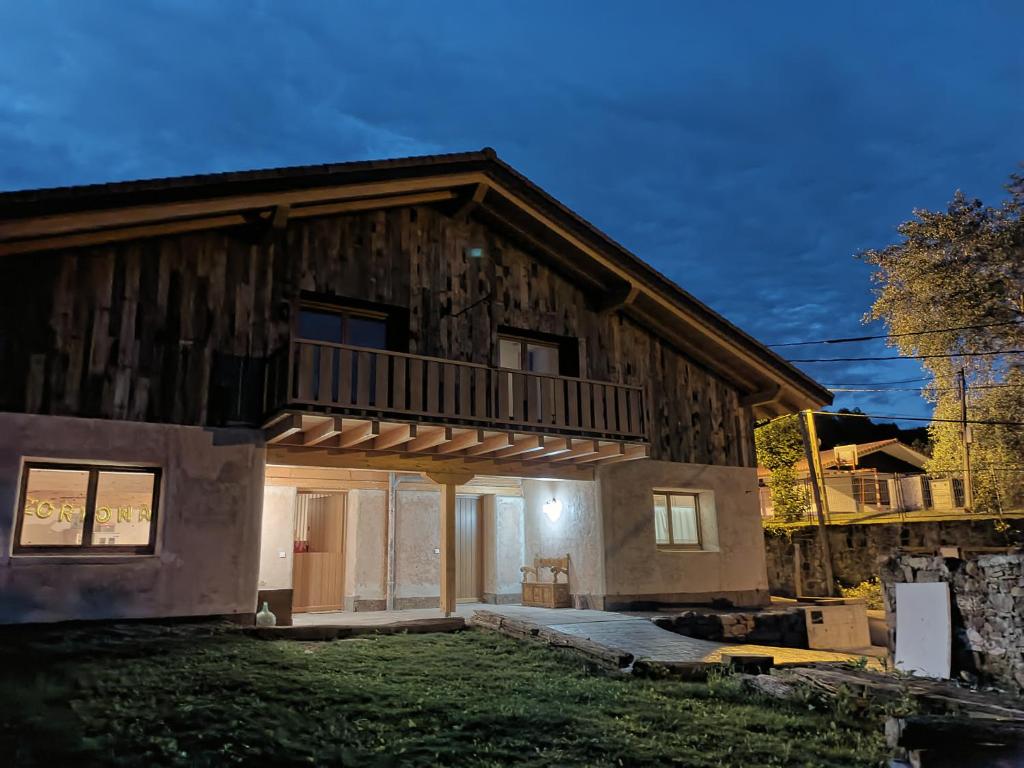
[[919, 418], [877, 383], [922, 389], [851, 339], [982, 353]]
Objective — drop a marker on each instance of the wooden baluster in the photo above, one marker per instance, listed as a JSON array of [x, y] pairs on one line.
[[559, 387], [503, 383], [306, 352], [622, 425], [586, 390], [465, 372], [415, 384], [480, 393], [382, 374], [398, 399], [547, 397], [326, 377], [433, 403], [573, 388], [451, 373], [345, 377], [599, 421], [518, 397], [363, 393], [634, 412]]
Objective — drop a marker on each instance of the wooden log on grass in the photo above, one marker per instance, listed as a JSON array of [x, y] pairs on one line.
[[606, 656], [942, 732]]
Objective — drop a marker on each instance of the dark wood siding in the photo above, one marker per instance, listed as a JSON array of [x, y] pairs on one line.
[[177, 329]]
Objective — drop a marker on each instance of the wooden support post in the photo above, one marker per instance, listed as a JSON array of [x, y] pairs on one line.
[[448, 598], [448, 483]]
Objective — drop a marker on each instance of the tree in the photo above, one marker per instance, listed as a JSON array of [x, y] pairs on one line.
[[780, 446], [964, 267]]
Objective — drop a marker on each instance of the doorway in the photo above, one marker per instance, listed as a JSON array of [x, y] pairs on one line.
[[319, 547], [468, 556]]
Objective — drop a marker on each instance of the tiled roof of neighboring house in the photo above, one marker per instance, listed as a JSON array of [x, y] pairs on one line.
[[828, 458]]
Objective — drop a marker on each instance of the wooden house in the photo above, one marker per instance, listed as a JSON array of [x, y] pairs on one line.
[[363, 386]]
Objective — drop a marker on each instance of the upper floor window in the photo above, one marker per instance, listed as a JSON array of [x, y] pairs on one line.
[[340, 325], [81, 508], [524, 355], [677, 520], [538, 352]]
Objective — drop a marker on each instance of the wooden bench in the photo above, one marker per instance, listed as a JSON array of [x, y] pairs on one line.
[[547, 594]]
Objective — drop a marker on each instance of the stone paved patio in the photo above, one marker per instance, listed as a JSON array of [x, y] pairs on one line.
[[615, 630]]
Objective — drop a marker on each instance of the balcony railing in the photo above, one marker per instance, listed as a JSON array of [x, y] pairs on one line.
[[346, 379]]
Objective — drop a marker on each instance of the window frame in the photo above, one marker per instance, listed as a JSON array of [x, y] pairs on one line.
[[94, 470], [345, 313], [672, 546], [524, 353]]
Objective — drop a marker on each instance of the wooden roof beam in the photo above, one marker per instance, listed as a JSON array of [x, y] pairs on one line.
[[429, 438], [394, 436], [284, 428], [490, 444], [320, 433], [357, 434], [462, 441], [524, 444]]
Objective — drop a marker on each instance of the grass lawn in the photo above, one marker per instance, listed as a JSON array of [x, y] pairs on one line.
[[171, 695]]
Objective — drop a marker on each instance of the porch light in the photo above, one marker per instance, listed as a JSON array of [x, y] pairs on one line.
[[553, 509]]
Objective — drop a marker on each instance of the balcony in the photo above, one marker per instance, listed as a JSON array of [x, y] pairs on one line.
[[456, 403]]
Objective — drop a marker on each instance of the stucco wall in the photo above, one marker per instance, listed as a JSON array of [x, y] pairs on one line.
[[277, 537], [578, 531], [366, 519], [209, 523], [417, 535], [503, 547], [636, 571]]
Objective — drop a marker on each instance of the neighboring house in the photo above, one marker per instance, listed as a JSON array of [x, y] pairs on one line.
[[881, 476], [376, 384]]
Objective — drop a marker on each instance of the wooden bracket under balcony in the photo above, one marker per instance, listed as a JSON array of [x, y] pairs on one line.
[[341, 441]]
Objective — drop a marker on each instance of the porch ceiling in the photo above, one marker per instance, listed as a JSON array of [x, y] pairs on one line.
[[371, 443]]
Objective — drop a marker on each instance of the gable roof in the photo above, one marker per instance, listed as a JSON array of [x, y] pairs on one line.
[[891, 446], [66, 217]]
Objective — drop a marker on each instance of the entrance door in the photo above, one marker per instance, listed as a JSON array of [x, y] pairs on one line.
[[468, 561], [318, 578]]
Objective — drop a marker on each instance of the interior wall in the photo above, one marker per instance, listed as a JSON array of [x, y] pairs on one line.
[[366, 550], [503, 547], [637, 571], [208, 539], [577, 532], [277, 537]]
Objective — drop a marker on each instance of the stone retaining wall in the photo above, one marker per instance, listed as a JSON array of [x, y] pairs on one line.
[[856, 549], [987, 611]]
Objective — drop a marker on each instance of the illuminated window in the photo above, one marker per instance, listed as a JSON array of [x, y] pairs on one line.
[[71, 509], [677, 520]]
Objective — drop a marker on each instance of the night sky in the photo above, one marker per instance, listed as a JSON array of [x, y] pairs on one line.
[[747, 150]]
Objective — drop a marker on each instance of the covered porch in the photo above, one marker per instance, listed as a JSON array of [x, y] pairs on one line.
[[342, 545]]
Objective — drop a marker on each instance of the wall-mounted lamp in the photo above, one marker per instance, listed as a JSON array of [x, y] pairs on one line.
[[553, 509], [474, 252]]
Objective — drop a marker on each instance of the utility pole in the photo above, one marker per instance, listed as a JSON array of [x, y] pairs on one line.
[[810, 436], [965, 437]]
